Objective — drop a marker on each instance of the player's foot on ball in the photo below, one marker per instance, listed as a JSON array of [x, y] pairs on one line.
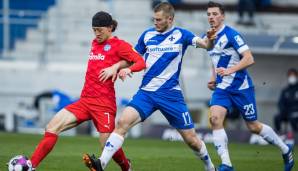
[[92, 162], [224, 167], [288, 159]]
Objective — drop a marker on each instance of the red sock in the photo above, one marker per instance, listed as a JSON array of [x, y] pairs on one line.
[[120, 158], [43, 148]]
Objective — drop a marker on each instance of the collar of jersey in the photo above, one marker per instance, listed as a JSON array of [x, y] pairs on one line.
[[221, 29], [107, 41]]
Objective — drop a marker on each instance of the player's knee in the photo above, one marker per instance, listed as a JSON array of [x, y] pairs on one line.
[[215, 121], [52, 129], [254, 128], [122, 126], [193, 143]]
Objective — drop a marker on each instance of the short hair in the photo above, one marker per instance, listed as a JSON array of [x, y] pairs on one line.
[[212, 4], [114, 25], [166, 7]]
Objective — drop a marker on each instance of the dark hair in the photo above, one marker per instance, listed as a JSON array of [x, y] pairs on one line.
[[166, 7], [212, 4], [104, 19], [292, 71], [114, 25]]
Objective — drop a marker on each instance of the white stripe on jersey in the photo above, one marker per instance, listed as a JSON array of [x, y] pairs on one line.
[[171, 69], [226, 81], [149, 35], [227, 53], [177, 87], [166, 74], [154, 56], [218, 48], [244, 84]]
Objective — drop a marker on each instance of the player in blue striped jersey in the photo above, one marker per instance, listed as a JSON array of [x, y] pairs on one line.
[[163, 48], [233, 87]]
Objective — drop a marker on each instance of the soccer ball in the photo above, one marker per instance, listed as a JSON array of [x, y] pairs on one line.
[[19, 163]]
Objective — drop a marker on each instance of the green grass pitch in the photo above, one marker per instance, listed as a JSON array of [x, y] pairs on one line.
[[145, 154]]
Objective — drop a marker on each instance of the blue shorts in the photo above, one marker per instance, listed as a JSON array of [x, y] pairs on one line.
[[170, 103], [243, 100]]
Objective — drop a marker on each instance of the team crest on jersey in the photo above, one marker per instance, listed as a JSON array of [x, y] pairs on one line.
[[107, 47]]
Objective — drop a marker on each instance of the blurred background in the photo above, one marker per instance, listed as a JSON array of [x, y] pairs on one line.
[[44, 49]]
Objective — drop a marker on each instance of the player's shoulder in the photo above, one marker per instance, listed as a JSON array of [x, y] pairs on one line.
[[121, 42], [231, 31], [149, 30]]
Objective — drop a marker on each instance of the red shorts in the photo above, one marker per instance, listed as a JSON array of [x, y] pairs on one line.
[[94, 109]]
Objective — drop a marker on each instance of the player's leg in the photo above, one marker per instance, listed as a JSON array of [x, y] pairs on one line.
[[128, 119], [104, 121], [219, 103], [132, 115], [271, 137], [62, 121], [174, 108], [246, 103], [119, 157], [220, 138], [198, 147]]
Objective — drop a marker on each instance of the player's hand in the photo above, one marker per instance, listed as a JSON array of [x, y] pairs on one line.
[[223, 71], [123, 73], [107, 73], [211, 85], [211, 34]]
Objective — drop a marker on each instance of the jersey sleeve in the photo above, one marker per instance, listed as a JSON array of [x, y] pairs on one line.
[[237, 42], [141, 47], [128, 53], [190, 38]]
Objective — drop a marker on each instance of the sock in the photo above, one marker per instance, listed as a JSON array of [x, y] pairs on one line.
[[271, 137], [43, 148], [113, 144], [120, 158], [204, 156], [220, 141]]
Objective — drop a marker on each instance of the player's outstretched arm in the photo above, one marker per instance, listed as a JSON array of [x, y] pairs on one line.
[[246, 61], [138, 65]]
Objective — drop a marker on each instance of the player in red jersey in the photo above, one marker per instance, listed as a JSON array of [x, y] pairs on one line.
[[97, 102]]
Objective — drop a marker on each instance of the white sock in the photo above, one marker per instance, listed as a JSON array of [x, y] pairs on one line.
[[204, 156], [220, 141], [113, 144], [271, 137]]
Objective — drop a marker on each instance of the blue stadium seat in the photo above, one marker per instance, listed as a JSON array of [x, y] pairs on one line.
[[18, 31]]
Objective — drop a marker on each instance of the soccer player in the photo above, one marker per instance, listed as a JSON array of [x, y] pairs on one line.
[[233, 87], [97, 102], [163, 48]]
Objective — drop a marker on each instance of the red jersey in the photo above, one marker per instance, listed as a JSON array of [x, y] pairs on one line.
[[103, 55]]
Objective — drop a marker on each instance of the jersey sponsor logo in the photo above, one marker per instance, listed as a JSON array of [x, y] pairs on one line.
[[215, 54], [99, 56], [107, 47], [163, 49], [239, 40]]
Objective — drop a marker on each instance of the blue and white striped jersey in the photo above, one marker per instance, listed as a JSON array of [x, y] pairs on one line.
[[163, 54], [226, 53]]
